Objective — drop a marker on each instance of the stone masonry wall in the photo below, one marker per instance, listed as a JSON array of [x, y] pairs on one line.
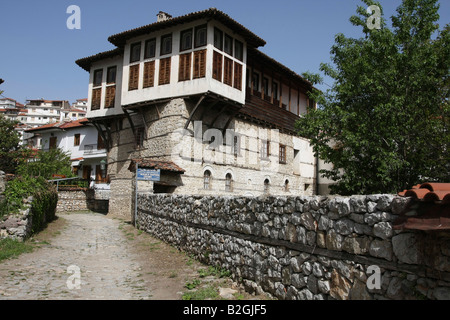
[[80, 200], [306, 247]]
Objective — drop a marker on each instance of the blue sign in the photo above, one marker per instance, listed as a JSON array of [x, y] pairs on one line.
[[148, 175]]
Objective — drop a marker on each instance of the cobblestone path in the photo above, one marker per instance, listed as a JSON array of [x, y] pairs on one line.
[[91, 242]]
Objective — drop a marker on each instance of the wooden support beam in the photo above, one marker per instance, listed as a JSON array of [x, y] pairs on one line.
[[194, 111]]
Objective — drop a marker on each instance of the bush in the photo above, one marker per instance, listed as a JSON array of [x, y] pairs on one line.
[[43, 208]]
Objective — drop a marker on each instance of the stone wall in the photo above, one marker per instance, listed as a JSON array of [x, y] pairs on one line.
[[18, 226], [306, 247], [80, 200]]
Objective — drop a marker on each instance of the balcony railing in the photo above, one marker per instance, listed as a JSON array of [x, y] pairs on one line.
[[91, 149]]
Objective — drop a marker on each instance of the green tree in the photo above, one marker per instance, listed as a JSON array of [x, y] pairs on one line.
[[9, 145], [384, 124], [45, 164]]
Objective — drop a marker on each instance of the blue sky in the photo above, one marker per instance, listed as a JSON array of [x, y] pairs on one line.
[[38, 51]]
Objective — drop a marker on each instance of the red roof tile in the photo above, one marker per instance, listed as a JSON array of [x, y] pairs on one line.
[[156, 164], [428, 210]]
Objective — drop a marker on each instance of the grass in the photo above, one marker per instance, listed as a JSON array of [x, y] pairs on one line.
[[12, 248], [209, 292]]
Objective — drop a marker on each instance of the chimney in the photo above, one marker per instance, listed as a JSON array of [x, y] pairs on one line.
[[163, 16]]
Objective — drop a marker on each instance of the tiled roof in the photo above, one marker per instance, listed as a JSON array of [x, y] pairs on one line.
[[429, 192], [85, 63], [61, 125], [156, 164], [211, 13], [429, 208]]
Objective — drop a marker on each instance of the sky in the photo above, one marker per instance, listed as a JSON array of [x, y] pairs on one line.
[[38, 51]]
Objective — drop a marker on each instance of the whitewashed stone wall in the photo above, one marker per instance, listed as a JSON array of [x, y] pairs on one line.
[[306, 247]]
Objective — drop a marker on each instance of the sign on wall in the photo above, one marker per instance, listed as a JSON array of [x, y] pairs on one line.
[[148, 175]]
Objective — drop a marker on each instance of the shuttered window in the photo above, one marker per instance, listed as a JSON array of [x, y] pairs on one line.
[[238, 76], [199, 64], [96, 98], [217, 66], [228, 71], [184, 72], [133, 81], [110, 97], [164, 71], [149, 74]]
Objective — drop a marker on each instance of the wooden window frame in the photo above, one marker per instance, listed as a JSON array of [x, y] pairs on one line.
[[228, 71], [96, 98], [165, 66], [76, 140], [149, 74], [110, 97], [265, 149], [138, 52], [282, 154], [148, 54], [238, 76], [217, 66], [238, 54], [184, 67], [199, 69], [133, 77]]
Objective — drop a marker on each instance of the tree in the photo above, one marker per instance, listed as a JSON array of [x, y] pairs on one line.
[[384, 124], [9, 145], [45, 164]]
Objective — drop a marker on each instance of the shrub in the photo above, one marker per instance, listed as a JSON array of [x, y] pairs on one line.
[[43, 208]]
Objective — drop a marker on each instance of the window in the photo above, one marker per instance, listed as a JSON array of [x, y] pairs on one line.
[[96, 98], [76, 140], [133, 80], [266, 186], [236, 145], [228, 71], [238, 50], [228, 183], [266, 86], [139, 137], [184, 71], [275, 90], [265, 149], [135, 52], [186, 40], [238, 76], [150, 49], [217, 66], [166, 44], [200, 36], [149, 74], [218, 39], [286, 185], [282, 154], [98, 75], [164, 71], [111, 75], [228, 46], [199, 64], [255, 81], [110, 97], [207, 180], [52, 144]]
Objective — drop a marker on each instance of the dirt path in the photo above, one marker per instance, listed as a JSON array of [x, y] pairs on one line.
[[88, 256], [113, 259]]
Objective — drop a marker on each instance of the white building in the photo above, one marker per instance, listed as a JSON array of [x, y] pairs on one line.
[[81, 141], [43, 111]]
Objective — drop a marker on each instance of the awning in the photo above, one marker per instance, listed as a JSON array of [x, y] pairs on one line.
[[167, 166]]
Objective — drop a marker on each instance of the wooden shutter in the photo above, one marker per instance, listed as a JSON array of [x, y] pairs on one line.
[[238, 76], [96, 98], [149, 74], [52, 143], [164, 71], [110, 96], [228, 71], [217, 66], [184, 71], [133, 81], [199, 64]]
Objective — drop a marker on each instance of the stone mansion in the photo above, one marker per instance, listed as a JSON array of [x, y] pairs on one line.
[[193, 97]]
